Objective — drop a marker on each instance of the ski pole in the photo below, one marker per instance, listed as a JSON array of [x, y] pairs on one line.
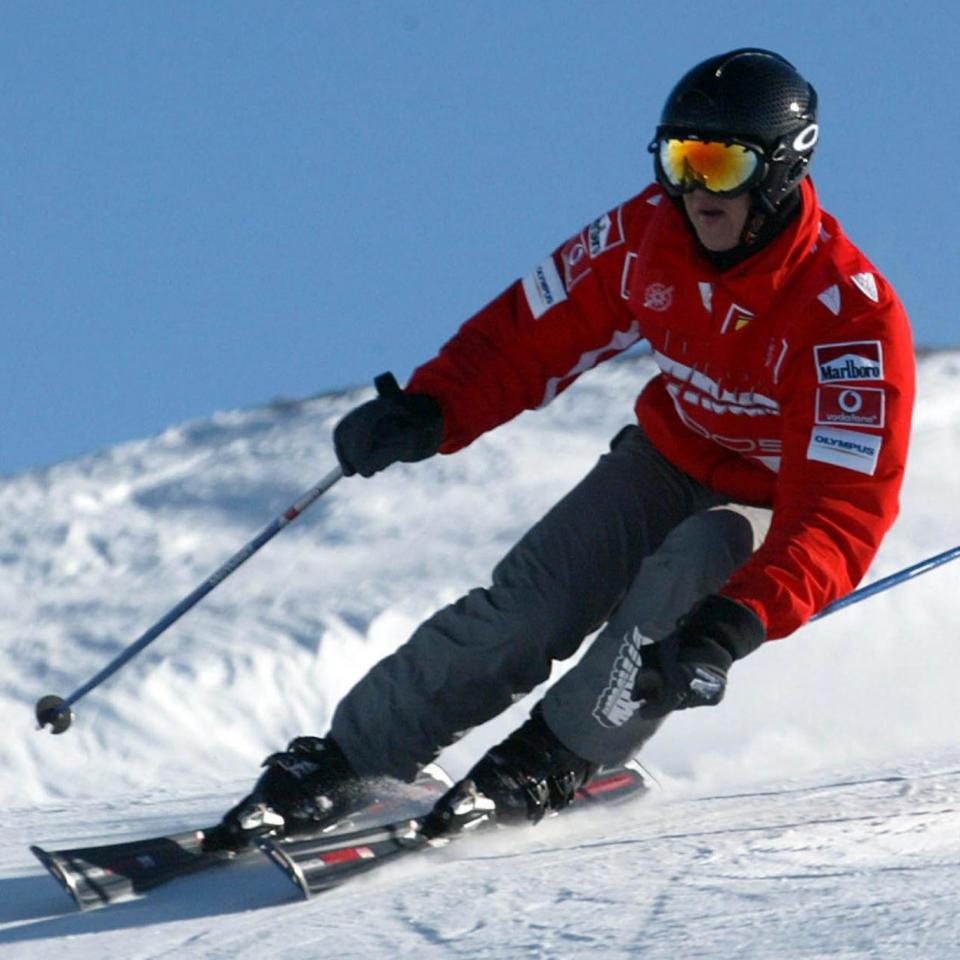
[[885, 583], [55, 711]]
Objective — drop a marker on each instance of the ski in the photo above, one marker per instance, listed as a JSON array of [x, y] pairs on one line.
[[318, 864], [98, 875], [95, 876]]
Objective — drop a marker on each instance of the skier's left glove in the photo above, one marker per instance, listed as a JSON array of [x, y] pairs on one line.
[[688, 668], [394, 426]]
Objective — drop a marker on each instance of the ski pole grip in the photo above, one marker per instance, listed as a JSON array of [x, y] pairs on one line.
[[387, 385]]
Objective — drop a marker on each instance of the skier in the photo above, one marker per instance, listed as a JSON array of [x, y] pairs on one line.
[[785, 391]]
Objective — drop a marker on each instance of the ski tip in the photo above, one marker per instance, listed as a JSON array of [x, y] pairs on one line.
[[56, 869]]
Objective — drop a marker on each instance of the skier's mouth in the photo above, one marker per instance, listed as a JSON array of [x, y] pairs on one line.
[[709, 213]]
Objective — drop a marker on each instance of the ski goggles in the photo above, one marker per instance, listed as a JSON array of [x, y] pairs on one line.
[[725, 168]]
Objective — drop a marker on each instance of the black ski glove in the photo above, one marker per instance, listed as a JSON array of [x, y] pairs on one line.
[[688, 668], [394, 426]]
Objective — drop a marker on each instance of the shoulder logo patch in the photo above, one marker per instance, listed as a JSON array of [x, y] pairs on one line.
[[830, 298], [858, 360], [867, 284]]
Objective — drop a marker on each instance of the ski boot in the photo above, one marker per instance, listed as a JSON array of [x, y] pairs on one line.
[[304, 789], [528, 776]]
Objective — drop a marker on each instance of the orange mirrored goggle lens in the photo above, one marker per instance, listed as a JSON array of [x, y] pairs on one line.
[[717, 167]]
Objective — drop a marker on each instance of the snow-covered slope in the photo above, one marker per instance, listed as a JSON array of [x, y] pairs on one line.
[[814, 809]]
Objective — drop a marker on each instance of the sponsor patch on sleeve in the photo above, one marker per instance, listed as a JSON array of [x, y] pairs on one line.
[[845, 448], [853, 406], [605, 232], [856, 360], [544, 288], [576, 262]]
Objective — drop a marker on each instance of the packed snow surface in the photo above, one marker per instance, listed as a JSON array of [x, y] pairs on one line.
[[816, 813]]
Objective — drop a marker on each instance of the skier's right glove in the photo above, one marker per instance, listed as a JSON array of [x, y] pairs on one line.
[[395, 426], [688, 668]]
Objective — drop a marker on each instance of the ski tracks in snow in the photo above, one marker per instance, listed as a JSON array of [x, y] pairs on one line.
[[865, 867]]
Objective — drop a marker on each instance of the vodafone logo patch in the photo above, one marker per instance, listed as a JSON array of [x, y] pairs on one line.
[[854, 406], [576, 262]]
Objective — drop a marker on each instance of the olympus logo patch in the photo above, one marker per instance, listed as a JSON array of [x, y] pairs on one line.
[[845, 448], [544, 288], [859, 360]]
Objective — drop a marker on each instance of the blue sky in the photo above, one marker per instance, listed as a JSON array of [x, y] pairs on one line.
[[206, 206]]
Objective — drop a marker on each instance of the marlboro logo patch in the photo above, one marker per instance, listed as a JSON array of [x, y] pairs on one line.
[[858, 360], [605, 232]]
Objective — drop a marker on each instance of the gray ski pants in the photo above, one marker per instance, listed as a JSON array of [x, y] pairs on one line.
[[632, 546]]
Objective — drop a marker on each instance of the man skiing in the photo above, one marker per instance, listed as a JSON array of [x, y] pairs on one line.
[[785, 392]]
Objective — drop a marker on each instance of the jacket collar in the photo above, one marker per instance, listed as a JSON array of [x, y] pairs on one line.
[[758, 278], [778, 260]]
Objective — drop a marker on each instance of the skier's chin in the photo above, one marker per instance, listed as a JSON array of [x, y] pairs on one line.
[[718, 221], [718, 235]]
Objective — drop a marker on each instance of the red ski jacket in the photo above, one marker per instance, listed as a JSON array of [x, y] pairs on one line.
[[786, 381]]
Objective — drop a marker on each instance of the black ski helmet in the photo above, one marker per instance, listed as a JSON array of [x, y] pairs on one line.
[[755, 97]]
